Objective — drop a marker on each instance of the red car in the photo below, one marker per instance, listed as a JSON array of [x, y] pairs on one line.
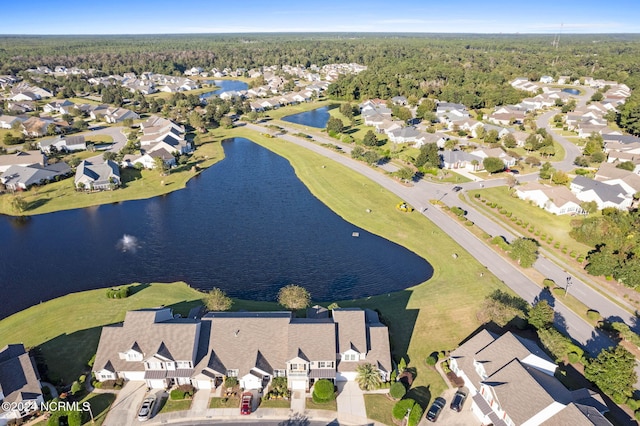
[[245, 404]]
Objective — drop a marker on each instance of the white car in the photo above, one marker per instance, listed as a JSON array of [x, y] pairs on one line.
[[146, 409]]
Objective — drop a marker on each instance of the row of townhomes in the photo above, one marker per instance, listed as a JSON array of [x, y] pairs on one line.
[[511, 382], [19, 384], [161, 138], [152, 345]]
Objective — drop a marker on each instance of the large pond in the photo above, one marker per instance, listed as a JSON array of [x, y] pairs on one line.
[[225, 86], [315, 118], [570, 91], [246, 225]]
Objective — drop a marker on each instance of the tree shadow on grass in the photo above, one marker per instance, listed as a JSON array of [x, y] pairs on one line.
[[32, 205], [136, 288], [66, 356], [421, 395], [129, 175]]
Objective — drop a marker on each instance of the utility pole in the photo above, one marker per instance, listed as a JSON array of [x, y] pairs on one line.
[[566, 289]]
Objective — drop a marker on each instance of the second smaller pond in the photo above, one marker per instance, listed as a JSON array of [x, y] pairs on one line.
[[225, 86], [574, 92], [315, 118]]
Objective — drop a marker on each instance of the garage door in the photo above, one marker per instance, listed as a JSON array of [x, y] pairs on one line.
[[133, 375], [299, 384], [346, 376]]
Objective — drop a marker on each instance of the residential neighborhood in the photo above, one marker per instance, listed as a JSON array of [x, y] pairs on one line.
[[518, 201]]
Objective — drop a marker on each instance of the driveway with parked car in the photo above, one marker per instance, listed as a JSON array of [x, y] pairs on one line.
[[449, 416]]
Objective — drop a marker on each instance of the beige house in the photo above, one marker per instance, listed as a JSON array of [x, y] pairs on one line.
[[153, 346]]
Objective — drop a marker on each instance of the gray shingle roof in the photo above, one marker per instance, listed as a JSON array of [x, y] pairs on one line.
[[351, 330], [19, 380], [605, 192], [152, 331]]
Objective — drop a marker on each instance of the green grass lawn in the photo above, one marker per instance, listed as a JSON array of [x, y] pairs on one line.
[[556, 226], [171, 405], [137, 184], [275, 403], [100, 404], [230, 402], [98, 139], [379, 408], [330, 405]]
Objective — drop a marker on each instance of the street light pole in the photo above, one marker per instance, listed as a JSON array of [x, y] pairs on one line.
[[566, 289]]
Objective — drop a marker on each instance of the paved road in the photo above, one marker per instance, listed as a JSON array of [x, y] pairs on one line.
[[119, 138], [572, 151], [419, 196]]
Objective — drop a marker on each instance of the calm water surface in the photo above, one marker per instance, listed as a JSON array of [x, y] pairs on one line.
[[315, 118], [571, 91], [246, 225], [225, 86]]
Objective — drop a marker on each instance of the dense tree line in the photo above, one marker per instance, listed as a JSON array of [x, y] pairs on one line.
[[399, 63], [614, 234]]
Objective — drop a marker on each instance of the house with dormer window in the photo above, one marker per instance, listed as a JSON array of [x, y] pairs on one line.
[[511, 382], [163, 351], [150, 345]]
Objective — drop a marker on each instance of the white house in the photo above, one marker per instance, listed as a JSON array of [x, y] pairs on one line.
[[554, 199], [603, 194], [96, 174], [511, 382], [63, 144]]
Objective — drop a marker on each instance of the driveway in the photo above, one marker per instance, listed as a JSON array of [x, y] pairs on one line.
[[124, 410], [351, 400], [452, 418]]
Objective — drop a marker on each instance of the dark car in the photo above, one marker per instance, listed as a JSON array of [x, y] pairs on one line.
[[458, 400], [435, 409], [457, 188], [146, 409], [245, 405]]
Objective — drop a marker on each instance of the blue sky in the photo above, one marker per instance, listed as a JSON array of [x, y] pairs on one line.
[[215, 16]]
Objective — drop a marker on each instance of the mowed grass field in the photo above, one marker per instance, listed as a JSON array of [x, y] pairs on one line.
[[556, 226], [137, 184]]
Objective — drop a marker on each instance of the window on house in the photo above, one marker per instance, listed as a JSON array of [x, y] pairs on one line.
[[279, 373], [232, 373], [293, 367], [350, 357]]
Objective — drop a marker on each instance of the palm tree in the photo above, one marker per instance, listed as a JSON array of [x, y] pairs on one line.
[[368, 376]]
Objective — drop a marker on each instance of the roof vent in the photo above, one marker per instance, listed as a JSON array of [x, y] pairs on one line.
[[237, 332]]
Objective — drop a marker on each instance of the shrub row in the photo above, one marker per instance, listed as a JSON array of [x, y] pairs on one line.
[[118, 293]]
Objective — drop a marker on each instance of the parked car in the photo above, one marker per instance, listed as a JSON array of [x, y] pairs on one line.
[[245, 404], [458, 400], [435, 409], [146, 409], [457, 188]]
